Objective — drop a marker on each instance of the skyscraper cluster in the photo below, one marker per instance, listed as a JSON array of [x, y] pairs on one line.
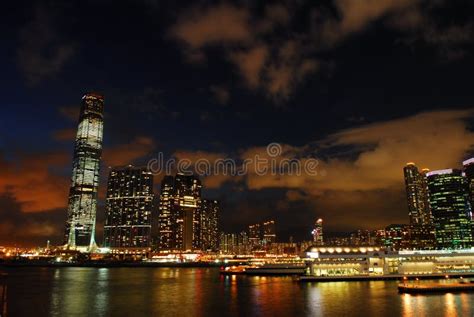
[[440, 206], [186, 220], [181, 218], [262, 235]]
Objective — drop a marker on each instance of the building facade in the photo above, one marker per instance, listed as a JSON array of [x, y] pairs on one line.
[[417, 195], [317, 232], [449, 200], [421, 230], [209, 224], [186, 210], [166, 217], [269, 234], [373, 261], [255, 236], [129, 207], [186, 221], [82, 205]]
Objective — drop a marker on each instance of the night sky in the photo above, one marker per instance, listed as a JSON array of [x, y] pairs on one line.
[[364, 86]]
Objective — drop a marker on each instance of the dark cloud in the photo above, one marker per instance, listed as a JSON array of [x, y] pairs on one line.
[[370, 183], [42, 52], [274, 65], [29, 229], [220, 93]]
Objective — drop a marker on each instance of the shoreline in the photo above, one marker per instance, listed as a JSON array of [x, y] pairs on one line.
[[411, 277], [109, 265]]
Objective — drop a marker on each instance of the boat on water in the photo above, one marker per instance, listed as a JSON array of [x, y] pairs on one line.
[[234, 270], [266, 269], [277, 269], [415, 288]]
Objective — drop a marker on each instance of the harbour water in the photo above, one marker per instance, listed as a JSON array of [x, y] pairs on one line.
[[70, 291]]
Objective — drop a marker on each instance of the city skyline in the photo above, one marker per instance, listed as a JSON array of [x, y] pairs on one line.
[[361, 91]]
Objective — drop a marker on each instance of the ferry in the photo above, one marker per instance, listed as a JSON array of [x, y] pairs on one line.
[[294, 268], [462, 286]]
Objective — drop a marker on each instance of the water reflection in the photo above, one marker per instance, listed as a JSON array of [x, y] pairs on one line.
[[76, 290], [203, 292]]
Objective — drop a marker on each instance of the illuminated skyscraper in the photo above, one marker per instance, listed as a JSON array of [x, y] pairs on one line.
[[449, 200], [166, 217], [255, 236], [269, 233], [318, 232], [209, 224], [421, 230], [82, 207], [186, 210], [129, 207], [469, 172], [417, 195]]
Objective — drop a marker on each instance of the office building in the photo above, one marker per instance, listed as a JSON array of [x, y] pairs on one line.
[[186, 210], [269, 233], [82, 205], [421, 230], [449, 200], [166, 217], [209, 224], [318, 232], [129, 206], [255, 236]]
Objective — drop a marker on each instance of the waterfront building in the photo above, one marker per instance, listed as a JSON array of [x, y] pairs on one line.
[[337, 241], [229, 243], [396, 236], [186, 221], [468, 167], [417, 195], [317, 232], [165, 214], [209, 224], [82, 205], [449, 200], [186, 208], [269, 233], [374, 261], [365, 238], [255, 235], [421, 229], [129, 205]]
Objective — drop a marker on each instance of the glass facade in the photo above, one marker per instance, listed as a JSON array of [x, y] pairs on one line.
[[209, 224], [180, 214], [255, 236], [129, 207], [82, 207], [449, 200], [417, 195], [269, 233], [318, 232], [186, 208], [165, 215], [421, 230]]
